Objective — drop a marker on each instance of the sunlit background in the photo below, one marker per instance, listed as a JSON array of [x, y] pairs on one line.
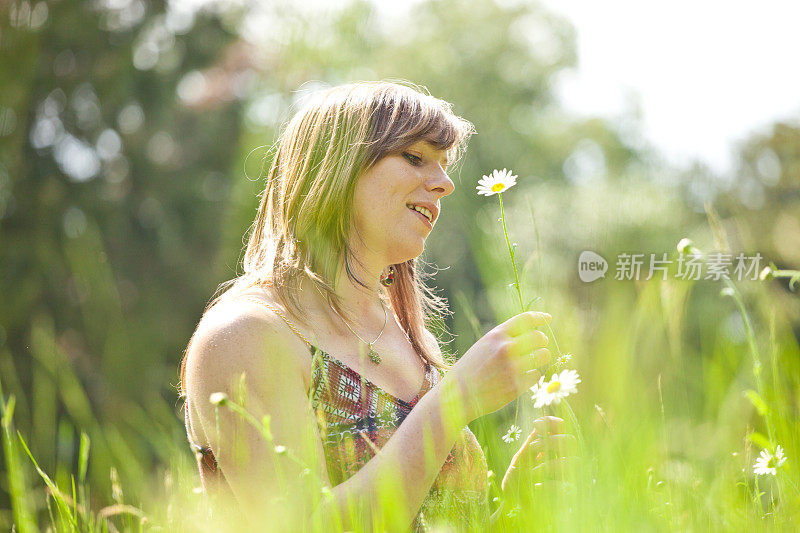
[[131, 140]]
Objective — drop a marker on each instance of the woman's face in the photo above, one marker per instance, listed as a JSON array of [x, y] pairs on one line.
[[386, 196]]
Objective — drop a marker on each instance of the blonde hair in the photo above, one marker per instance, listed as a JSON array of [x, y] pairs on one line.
[[305, 217]]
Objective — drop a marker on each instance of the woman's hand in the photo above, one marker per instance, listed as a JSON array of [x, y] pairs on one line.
[[541, 457], [499, 367]]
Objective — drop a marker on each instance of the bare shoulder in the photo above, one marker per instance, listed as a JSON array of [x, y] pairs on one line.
[[239, 336]]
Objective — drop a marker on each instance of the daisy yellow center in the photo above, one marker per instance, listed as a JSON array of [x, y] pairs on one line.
[[772, 463], [497, 187], [553, 386]]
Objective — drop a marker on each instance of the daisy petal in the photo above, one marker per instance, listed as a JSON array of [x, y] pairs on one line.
[[496, 182]]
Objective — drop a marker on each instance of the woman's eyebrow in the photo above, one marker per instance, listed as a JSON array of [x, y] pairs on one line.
[[433, 148]]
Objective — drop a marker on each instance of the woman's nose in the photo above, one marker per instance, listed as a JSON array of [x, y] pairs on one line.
[[440, 183]]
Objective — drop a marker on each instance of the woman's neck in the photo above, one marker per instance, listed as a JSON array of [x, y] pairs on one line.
[[363, 308]]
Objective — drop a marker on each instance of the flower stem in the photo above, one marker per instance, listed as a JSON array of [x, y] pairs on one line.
[[511, 253], [516, 277], [793, 275], [751, 341]]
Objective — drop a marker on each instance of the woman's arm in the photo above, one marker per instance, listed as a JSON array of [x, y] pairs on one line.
[[407, 465], [259, 347], [251, 356]]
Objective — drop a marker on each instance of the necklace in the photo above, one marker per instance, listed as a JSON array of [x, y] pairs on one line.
[[372, 354]]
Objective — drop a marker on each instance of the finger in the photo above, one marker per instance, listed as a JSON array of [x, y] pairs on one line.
[[523, 449], [526, 363], [530, 369], [549, 425], [530, 378], [541, 357], [524, 345], [524, 322], [524, 373], [553, 468], [562, 445], [519, 457], [537, 449]]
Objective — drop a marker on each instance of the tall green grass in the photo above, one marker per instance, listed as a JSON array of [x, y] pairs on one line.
[[683, 384]]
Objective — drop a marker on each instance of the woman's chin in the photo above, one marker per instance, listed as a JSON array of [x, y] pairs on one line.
[[408, 252]]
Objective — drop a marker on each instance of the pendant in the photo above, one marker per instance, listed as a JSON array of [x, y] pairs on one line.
[[373, 356]]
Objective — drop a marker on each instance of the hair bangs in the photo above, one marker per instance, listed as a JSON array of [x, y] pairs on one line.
[[404, 116]]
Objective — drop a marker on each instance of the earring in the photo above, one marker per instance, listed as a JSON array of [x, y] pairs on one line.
[[388, 279]]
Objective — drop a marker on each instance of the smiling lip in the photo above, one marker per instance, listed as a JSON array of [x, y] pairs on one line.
[[430, 207], [422, 217]]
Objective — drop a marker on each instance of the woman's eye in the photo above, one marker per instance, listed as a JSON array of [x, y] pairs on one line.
[[414, 160]]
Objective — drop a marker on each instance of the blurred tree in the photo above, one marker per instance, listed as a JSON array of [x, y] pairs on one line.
[[763, 204], [768, 187], [109, 207]]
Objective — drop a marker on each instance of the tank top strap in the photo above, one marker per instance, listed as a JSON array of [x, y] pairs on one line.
[[318, 360], [283, 316]]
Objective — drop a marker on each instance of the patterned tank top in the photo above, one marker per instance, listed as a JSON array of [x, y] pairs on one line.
[[356, 418]]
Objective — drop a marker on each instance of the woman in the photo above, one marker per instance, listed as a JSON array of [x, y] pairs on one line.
[[324, 334]]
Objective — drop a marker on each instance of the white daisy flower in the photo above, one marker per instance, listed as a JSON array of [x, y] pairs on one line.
[[560, 386], [512, 434], [564, 359], [497, 181], [768, 463]]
